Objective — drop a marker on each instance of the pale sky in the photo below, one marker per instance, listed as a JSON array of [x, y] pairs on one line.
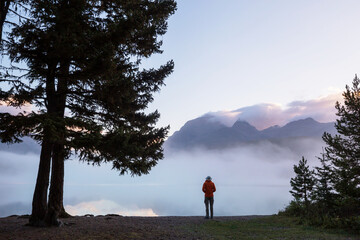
[[236, 53]]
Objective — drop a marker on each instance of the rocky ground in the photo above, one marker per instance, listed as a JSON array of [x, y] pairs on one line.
[[109, 227]]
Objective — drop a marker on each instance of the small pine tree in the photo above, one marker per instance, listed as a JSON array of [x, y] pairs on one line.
[[323, 193], [302, 184]]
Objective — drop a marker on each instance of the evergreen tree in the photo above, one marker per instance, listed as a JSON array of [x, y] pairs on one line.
[[84, 58], [343, 151], [302, 184], [323, 192]]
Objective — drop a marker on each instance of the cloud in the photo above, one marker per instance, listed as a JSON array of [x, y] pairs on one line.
[[265, 115], [12, 163], [322, 109], [103, 207], [14, 110]]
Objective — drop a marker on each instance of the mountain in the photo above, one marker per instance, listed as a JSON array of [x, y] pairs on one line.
[[195, 129], [206, 133], [301, 128]]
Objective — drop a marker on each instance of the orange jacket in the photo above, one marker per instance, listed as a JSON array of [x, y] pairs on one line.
[[209, 188]]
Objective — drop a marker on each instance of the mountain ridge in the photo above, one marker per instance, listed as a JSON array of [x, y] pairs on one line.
[[213, 134]]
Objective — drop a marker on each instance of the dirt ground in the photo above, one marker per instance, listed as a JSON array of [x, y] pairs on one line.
[[108, 227]]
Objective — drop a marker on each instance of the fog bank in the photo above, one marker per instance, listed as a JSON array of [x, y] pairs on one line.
[[250, 179]]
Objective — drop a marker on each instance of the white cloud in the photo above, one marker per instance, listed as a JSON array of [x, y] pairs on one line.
[[103, 207], [269, 114], [321, 109]]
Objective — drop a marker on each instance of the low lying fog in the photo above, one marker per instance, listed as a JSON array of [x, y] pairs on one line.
[[251, 179]]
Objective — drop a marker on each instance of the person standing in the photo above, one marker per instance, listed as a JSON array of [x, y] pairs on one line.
[[209, 189]]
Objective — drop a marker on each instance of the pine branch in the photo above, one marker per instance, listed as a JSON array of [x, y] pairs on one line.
[[23, 6], [11, 23], [20, 16]]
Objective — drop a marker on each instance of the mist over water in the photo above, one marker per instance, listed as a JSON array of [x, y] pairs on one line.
[[250, 179]]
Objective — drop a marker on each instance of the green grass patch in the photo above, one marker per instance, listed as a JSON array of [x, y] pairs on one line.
[[270, 227]]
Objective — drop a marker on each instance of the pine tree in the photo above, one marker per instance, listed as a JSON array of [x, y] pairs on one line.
[[84, 58], [302, 184], [323, 192], [343, 151]]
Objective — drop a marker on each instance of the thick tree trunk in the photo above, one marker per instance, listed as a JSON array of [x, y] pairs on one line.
[[55, 204], [39, 204], [63, 213], [4, 8]]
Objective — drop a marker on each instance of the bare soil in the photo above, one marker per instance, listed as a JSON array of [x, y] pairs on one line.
[[109, 227]]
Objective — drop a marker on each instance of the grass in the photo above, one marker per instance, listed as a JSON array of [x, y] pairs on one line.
[[270, 227]]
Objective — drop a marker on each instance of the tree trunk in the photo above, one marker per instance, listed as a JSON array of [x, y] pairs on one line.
[[39, 204], [63, 213], [55, 204], [4, 8]]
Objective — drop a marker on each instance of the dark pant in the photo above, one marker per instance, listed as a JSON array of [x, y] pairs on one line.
[[207, 201]]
